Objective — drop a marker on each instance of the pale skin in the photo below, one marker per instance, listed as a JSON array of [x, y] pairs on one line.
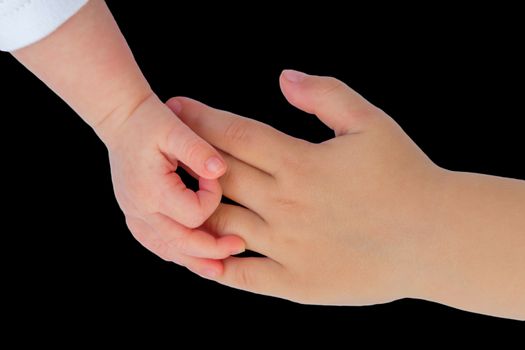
[[363, 218], [88, 64]]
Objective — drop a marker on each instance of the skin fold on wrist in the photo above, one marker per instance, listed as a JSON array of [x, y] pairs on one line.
[[109, 127]]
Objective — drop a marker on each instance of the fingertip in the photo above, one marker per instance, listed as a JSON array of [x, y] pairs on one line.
[[180, 102], [282, 83], [292, 87], [184, 100], [179, 105], [283, 80], [171, 99], [211, 168], [207, 268], [192, 209], [293, 76], [183, 144], [206, 200], [215, 166], [233, 245], [175, 105]]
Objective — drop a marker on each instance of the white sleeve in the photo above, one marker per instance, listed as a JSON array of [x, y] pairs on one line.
[[23, 22]]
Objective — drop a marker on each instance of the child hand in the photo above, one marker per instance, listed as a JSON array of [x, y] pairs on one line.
[[99, 78], [363, 218], [338, 221], [160, 211]]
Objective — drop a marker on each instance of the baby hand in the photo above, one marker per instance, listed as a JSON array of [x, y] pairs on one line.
[[339, 222], [160, 211]]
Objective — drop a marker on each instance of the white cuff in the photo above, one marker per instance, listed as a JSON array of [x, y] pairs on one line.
[[23, 22]]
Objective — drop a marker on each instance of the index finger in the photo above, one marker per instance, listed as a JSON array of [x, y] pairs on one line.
[[253, 142], [185, 206]]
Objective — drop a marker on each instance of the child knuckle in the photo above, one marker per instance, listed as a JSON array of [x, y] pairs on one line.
[[237, 131]]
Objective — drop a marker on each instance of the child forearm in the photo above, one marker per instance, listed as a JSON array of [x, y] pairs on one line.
[[475, 253], [88, 64]]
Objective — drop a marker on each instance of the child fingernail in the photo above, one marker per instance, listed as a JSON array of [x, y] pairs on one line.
[[175, 106], [214, 165], [294, 76]]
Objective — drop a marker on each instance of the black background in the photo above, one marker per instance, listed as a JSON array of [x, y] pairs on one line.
[[454, 83]]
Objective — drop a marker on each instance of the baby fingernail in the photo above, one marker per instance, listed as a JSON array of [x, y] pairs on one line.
[[294, 76], [175, 106], [214, 165]]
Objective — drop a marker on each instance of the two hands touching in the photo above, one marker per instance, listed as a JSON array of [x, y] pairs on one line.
[[335, 221], [160, 211], [362, 218]]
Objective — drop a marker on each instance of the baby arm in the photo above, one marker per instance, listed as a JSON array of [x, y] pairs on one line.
[[363, 218], [87, 62]]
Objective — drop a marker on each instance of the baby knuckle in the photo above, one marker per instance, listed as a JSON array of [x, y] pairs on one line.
[[195, 219], [192, 148], [161, 249], [179, 244], [132, 224], [137, 230], [138, 234]]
